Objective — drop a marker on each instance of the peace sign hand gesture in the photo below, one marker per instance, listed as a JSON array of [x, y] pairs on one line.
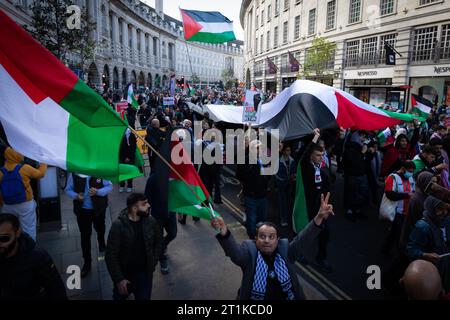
[[325, 210]]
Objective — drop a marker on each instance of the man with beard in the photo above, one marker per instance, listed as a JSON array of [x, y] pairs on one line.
[[25, 271], [134, 245]]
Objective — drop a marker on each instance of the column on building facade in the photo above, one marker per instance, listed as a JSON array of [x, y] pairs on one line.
[[134, 43], [143, 47], [91, 5], [338, 81], [125, 53], [402, 46], [115, 34]]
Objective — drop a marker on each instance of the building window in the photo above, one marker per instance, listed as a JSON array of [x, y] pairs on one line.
[[369, 51], [423, 2], [285, 32], [386, 7], [275, 37], [355, 11], [331, 14], [424, 44], [297, 27], [445, 42], [268, 40], [269, 10], [352, 53], [262, 43], [257, 18], [286, 4], [391, 39], [262, 18], [312, 22], [277, 7]]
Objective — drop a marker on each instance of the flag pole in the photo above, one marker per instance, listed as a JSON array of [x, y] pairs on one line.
[[166, 162], [392, 48], [187, 48]]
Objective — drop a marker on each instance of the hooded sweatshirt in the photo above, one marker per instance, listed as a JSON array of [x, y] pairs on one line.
[[27, 172]]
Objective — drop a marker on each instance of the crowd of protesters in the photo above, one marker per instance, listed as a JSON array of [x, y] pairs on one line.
[[403, 169]]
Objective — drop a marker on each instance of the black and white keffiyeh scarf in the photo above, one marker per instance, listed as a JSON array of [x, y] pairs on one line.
[[260, 278]]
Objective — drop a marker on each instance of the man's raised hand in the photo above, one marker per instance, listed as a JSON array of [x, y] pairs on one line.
[[325, 209]]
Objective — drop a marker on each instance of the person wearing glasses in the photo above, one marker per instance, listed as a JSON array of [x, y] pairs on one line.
[[133, 248], [268, 262], [26, 272]]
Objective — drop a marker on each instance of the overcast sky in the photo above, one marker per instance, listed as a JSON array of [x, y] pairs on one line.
[[229, 8]]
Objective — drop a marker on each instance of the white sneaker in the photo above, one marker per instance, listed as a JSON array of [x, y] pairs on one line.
[[129, 190], [121, 189]]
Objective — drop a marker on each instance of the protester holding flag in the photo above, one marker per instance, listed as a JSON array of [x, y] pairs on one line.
[[267, 262], [402, 150], [316, 184]]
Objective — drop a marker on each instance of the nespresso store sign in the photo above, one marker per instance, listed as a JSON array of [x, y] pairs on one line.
[[439, 70], [369, 74]]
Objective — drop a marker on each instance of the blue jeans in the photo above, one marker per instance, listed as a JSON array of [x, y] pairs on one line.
[[255, 210], [142, 285], [170, 225]]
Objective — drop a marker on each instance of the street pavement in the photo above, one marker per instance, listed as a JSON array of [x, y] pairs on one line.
[[199, 269]]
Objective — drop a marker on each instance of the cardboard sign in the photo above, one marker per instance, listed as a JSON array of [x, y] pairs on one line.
[[168, 101], [250, 110]]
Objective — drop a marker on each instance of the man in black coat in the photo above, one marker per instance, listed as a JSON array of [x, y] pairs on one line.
[[134, 245], [26, 273], [127, 155]]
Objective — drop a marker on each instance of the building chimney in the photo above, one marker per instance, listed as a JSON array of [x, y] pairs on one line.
[[159, 8]]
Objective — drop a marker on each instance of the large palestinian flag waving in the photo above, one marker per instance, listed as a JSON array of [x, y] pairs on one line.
[[51, 116], [307, 105]]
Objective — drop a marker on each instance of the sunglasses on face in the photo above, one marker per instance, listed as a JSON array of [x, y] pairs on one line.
[[5, 238]]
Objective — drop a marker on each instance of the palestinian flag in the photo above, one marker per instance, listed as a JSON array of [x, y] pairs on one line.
[[188, 197], [307, 105], [385, 136], [300, 212], [130, 98], [421, 106], [53, 117], [204, 26]]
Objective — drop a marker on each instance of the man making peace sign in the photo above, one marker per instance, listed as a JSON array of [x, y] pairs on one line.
[[268, 261]]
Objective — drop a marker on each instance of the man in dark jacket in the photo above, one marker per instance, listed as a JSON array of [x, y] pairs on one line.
[[134, 245], [255, 185], [131, 116], [127, 155], [144, 114], [316, 183], [268, 262], [26, 273], [356, 185]]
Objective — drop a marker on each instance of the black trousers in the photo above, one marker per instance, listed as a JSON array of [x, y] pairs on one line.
[[85, 220], [392, 240], [170, 225], [129, 183]]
